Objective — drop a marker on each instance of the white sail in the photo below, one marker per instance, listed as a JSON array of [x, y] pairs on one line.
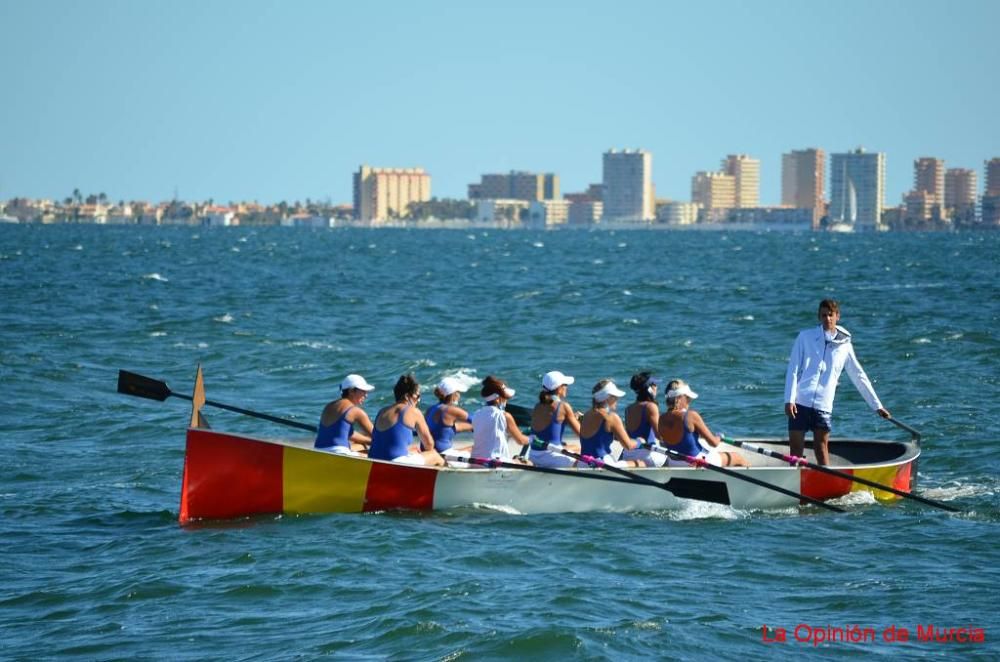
[[853, 200]]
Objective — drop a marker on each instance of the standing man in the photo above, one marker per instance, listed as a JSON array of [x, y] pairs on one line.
[[818, 357]]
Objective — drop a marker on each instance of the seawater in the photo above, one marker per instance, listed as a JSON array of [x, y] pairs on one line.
[[93, 564]]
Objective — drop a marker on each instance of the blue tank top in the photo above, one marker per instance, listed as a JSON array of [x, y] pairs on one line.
[[337, 433], [644, 428], [688, 445], [552, 433], [442, 434], [393, 442], [598, 444]]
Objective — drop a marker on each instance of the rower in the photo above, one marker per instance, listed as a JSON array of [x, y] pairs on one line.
[[336, 424], [549, 419]]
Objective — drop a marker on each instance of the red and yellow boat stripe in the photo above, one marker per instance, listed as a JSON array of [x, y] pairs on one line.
[[819, 485], [228, 476]]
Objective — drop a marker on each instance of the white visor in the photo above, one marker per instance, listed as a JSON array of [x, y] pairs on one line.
[[607, 391], [508, 393], [683, 389]]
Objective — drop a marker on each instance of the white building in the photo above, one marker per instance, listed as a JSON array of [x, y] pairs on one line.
[[217, 217], [500, 211], [547, 213], [678, 213], [307, 221], [628, 186], [857, 189]]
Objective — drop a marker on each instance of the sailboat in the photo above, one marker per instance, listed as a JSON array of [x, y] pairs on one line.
[[851, 195]]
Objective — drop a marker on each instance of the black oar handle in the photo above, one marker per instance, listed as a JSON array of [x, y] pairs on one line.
[[904, 426], [750, 479], [490, 463]]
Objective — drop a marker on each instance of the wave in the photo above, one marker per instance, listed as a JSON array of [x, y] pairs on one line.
[[155, 276], [224, 319]]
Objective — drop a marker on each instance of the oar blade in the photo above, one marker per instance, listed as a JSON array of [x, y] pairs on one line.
[[700, 490], [141, 386]]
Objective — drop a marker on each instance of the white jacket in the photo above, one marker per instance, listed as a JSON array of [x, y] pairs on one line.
[[815, 366]]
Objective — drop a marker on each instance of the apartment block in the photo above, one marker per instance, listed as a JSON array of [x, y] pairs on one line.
[[857, 188], [678, 213], [516, 185], [713, 190], [803, 176], [746, 172], [928, 176], [547, 213], [628, 185], [382, 194]]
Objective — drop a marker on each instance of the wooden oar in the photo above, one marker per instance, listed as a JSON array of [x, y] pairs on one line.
[[682, 488], [141, 386], [698, 462], [795, 460]]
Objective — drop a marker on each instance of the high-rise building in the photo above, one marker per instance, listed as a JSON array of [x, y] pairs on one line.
[[928, 176], [857, 188], [959, 187], [746, 171], [381, 194], [713, 190], [516, 185], [960, 195], [803, 175], [992, 177], [991, 194], [628, 185]]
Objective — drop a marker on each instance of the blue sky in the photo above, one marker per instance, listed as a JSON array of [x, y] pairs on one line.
[[244, 100]]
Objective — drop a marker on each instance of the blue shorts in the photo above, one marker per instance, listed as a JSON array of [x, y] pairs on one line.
[[807, 418]]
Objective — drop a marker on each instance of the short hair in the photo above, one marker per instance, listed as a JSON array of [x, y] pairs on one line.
[[830, 304]]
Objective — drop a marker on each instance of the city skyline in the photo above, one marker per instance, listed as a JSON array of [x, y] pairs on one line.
[[256, 101]]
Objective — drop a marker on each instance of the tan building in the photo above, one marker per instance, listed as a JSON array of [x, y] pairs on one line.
[[960, 186], [992, 177], [803, 176], [746, 171], [628, 185], [921, 207], [546, 213], [381, 194], [516, 185], [928, 176], [713, 190], [991, 196]]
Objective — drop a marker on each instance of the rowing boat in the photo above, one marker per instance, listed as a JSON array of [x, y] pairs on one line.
[[232, 475], [229, 475]]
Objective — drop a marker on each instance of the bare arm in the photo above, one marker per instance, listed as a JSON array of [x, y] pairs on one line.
[[695, 419], [420, 425], [617, 428], [571, 418], [514, 431], [359, 418], [459, 417], [653, 414]]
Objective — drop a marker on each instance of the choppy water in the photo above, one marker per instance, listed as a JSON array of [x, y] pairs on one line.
[[94, 565]]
